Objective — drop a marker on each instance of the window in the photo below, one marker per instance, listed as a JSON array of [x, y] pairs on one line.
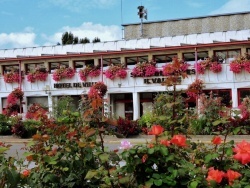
[[82, 63], [164, 58], [243, 93], [225, 94], [39, 100], [136, 59], [108, 61], [32, 66], [56, 65], [225, 54], [10, 68], [190, 56]]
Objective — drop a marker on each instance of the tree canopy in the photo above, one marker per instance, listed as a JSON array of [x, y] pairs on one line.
[[69, 38]]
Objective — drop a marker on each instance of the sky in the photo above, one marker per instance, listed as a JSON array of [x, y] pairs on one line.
[[31, 23]]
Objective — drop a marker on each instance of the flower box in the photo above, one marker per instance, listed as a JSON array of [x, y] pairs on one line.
[[62, 73]]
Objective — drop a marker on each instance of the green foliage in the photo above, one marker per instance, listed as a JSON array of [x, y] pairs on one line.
[[5, 127], [63, 103]]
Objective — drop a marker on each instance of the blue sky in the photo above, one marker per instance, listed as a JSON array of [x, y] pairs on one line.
[[28, 23]]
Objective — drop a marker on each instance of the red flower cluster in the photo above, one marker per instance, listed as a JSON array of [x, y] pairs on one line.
[[217, 175], [35, 111], [97, 90], [91, 71], [144, 69], [115, 71], [242, 151], [209, 63], [195, 88], [177, 68], [63, 72], [38, 74], [11, 77]]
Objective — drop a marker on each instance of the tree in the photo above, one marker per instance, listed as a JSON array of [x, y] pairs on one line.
[[96, 39], [84, 40], [69, 38]]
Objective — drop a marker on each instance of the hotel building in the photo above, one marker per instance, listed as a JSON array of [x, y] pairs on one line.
[[191, 39]]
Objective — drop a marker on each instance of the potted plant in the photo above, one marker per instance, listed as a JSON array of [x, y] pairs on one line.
[[211, 64], [40, 74], [11, 77], [144, 69], [115, 71], [63, 72], [91, 71]]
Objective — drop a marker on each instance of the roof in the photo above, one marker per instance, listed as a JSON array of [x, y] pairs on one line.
[[188, 18], [125, 45]]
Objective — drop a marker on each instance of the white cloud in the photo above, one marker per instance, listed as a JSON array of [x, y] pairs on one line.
[[89, 30], [233, 6], [18, 39]]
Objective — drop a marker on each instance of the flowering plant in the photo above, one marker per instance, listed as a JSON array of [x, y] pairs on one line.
[[116, 71], [209, 63], [144, 69], [177, 67], [91, 71], [239, 63], [63, 72], [195, 88], [40, 74], [12, 77]]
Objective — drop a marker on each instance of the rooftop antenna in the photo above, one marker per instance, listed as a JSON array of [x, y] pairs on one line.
[[143, 14]]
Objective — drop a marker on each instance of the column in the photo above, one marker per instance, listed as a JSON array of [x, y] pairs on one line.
[[50, 102], [71, 63], [234, 97], [136, 105]]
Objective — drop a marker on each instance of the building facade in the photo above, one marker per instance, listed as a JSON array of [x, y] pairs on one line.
[[131, 96]]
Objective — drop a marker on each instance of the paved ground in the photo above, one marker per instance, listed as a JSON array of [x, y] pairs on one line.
[[138, 139]]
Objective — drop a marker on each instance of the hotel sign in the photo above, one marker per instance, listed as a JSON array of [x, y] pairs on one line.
[[74, 85]]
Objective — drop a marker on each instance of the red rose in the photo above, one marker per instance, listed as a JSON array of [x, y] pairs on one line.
[[216, 140], [215, 175], [179, 140], [156, 130], [232, 175], [242, 151]]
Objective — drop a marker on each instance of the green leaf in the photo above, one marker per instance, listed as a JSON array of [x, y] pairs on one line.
[[208, 158], [193, 184], [65, 169], [3, 149], [124, 180], [156, 176], [158, 182], [151, 151], [164, 150], [217, 122], [236, 130], [90, 174], [104, 157], [229, 151]]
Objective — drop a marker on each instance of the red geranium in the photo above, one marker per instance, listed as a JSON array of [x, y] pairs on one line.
[[156, 130], [179, 140], [242, 151]]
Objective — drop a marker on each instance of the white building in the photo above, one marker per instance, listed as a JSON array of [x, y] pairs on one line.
[[222, 35]]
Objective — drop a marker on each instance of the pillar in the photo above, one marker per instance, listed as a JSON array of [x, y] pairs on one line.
[[136, 105], [234, 97]]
